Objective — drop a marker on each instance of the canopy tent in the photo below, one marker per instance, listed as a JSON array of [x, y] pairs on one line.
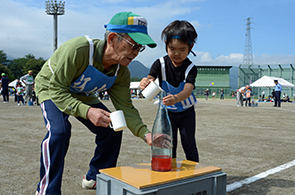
[[268, 81], [134, 85], [13, 83]]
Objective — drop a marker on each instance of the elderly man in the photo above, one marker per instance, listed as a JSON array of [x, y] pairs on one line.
[[240, 93], [66, 85], [28, 80], [278, 91]]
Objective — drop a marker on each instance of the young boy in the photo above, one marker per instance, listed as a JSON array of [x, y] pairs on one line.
[[177, 75], [20, 92], [248, 95]]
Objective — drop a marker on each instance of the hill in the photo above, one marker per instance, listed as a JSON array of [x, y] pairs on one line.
[[137, 69]]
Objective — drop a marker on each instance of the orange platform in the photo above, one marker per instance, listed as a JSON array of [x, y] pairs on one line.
[[141, 176]]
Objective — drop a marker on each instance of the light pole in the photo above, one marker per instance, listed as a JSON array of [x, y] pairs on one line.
[[55, 9]]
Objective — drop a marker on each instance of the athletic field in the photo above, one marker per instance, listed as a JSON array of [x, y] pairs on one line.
[[254, 146]]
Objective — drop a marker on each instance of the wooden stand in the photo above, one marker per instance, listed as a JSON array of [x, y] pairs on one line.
[[186, 177]]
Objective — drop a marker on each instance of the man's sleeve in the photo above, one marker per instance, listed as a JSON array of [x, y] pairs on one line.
[[23, 77], [121, 99]]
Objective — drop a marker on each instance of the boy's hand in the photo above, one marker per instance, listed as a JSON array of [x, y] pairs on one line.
[[169, 100], [144, 83]]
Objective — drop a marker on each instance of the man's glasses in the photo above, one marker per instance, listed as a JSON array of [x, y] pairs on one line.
[[134, 46]]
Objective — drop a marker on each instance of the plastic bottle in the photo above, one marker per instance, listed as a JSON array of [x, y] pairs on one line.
[[162, 139]]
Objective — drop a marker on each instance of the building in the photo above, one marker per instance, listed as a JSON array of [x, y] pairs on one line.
[[213, 78], [249, 74]]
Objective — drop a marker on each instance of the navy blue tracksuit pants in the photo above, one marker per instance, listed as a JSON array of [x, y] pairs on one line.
[[56, 142]]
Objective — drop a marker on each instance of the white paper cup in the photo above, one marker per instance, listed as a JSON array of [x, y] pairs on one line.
[[118, 122], [151, 91]]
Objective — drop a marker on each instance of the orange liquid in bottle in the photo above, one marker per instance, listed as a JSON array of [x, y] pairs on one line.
[[161, 163]]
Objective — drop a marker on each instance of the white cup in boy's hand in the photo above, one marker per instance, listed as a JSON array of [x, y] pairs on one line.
[[118, 122], [151, 91]]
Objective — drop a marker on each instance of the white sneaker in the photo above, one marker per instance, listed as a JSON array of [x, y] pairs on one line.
[[37, 193], [88, 184], [18, 104]]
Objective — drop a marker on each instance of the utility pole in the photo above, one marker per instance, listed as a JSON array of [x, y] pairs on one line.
[[55, 9], [248, 56]]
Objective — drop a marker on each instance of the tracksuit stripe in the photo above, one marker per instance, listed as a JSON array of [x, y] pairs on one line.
[[46, 154]]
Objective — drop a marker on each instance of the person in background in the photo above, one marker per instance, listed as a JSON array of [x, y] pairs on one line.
[[213, 95], [177, 75], [66, 85], [20, 92], [233, 94], [34, 96], [278, 91], [273, 94], [248, 94], [28, 80], [287, 99], [262, 95], [221, 94], [15, 89], [284, 96], [240, 93], [4, 85], [206, 93]]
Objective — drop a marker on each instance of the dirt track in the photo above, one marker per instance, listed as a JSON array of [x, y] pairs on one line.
[[242, 141]]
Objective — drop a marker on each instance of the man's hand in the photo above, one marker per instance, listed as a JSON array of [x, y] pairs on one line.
[[99, 117], [148, 139]]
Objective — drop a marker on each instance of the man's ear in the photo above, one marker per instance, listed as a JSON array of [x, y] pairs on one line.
[[111, 38]]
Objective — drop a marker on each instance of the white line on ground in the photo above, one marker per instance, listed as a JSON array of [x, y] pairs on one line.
[[249, 180], [289, 110]]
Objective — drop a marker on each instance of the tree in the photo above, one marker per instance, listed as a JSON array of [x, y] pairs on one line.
[[34, 64], [21, 66], [29, 56], [16, 67], [5, 70], [3, 58], [135, 79]]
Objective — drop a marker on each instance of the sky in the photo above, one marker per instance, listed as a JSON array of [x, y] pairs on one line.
[[25, 28]]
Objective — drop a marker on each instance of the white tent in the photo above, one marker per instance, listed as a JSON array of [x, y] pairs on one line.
[[134, 85], [268, 81], [13, 83]]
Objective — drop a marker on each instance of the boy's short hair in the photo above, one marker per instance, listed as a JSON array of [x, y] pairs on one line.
[[182, 30]]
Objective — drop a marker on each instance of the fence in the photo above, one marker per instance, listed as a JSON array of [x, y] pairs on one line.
[[249, 74]]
